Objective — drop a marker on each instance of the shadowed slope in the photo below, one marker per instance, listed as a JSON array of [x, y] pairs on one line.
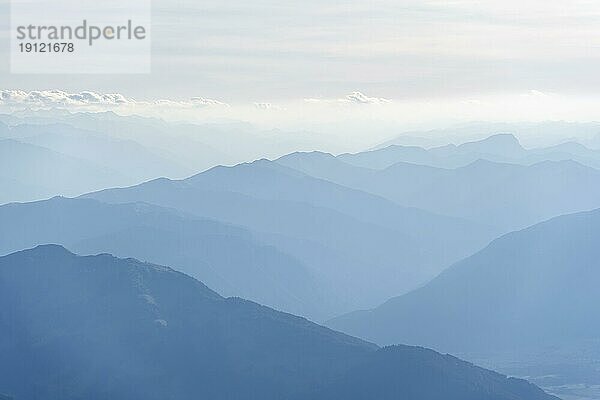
[[99, 327]]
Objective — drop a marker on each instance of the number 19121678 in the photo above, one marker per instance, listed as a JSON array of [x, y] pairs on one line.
[[58, 47]]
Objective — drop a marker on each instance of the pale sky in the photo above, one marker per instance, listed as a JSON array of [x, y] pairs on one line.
[[435, 59]]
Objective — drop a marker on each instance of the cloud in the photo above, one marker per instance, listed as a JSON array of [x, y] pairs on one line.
[[201, 101], [57, 98], [358, 97], [352, 98], [193, 103], [268, 106], [47, 99], [263, 106], [537, 94]]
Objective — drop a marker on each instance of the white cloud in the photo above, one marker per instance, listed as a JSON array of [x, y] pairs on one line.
[[58, 98], [46, 99], [201, 101], [268, 106], [352, 98], [358, 97], [263, 106]]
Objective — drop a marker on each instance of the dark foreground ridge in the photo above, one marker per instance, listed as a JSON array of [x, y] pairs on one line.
[[100, 327]]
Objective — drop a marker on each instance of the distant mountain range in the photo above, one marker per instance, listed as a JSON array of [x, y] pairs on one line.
[[527, 290], [327, 237], [34, 172], [367, 247], [125, 149], [535, 134], [524, 194], [84, 152], [125, 155], [100, 327], [501, 148], [231, 259], [41, 161]]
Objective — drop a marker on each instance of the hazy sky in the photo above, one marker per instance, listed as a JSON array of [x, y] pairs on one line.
[[436, 58]]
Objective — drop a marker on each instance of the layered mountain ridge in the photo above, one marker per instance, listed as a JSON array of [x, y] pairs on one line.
[[100, 327]]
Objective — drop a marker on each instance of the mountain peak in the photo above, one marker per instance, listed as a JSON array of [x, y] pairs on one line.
[[306, 156], [500, 142], [45, 250], [507, 137]]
